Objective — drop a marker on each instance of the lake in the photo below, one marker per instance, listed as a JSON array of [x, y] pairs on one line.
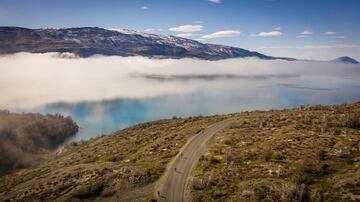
[[105, 94]]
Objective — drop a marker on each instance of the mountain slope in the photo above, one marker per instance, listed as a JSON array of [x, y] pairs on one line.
[[89, 41], [346, 59]]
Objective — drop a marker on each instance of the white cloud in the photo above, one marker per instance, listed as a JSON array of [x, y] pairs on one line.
[[198, 22], [335, 35], [150, 30], [215, 1], [320, 46], [187, 28], [221, 34], [278, 28], [305, 33], [184, 35], [331, 46], [153, 30], [144, 8], [330, 33], [268, 34], [277, 47], [340, 37]]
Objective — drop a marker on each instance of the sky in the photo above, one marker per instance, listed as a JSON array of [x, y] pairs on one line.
[[304, 29]]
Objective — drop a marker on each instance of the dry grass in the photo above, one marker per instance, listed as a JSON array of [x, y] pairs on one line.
[[108, 167], [304, 154]]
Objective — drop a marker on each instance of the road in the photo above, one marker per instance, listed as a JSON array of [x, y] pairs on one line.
[[172, 186]]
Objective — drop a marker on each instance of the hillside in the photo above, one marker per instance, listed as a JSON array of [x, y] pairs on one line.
[[88, 41], [305, 154], [25, 137], [123, 165], [346, 59]]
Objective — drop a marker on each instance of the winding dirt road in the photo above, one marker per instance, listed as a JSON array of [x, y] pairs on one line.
[[172, 186]]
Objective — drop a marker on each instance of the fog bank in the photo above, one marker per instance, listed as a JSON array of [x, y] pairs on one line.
[[30, 80]]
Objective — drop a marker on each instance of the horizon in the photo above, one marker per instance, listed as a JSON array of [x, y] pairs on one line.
[[321, 30]]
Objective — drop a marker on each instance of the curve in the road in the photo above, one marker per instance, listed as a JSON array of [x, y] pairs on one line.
[[172, 186]]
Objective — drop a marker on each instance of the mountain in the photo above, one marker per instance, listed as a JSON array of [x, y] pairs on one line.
[[88, 41], [346, 59]]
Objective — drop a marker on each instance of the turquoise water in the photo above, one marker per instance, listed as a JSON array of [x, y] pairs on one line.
[[104, 117], [106, 94]]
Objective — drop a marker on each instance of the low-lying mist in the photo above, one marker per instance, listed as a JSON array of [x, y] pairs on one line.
[[30, 80]]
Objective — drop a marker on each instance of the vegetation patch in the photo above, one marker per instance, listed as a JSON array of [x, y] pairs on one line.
[[303, 154]]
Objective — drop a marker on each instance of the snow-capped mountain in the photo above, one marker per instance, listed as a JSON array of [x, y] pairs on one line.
[[87, 41]]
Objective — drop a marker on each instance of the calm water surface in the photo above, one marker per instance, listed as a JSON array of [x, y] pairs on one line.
[[104, 117], [105, 94]]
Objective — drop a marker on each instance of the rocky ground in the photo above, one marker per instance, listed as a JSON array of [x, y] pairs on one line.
[[304, 154]]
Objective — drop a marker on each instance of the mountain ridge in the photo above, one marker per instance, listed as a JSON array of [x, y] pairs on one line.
[[345, 59], [88, 41]]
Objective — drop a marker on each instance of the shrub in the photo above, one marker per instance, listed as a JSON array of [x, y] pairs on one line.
[[308, 170], [160, 167], [91, 190], [267, 153], [219, 193], [353, 120], [278, 155], [320, 154], [308, 166], [231, 158], [228, 141], [200, 184], [343, 153], [214, 160], [262, 124], [115, 158]]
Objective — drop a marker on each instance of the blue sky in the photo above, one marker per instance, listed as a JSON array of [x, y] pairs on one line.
[[310, 29]]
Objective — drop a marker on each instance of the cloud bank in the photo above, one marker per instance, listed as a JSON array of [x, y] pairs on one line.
[[30, 80]]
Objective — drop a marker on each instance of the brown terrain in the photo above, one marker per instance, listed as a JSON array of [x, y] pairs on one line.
[[311, 153]]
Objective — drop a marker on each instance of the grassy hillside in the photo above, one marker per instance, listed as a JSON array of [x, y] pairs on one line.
[[26, 137], [304, 154], [123, 165]]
